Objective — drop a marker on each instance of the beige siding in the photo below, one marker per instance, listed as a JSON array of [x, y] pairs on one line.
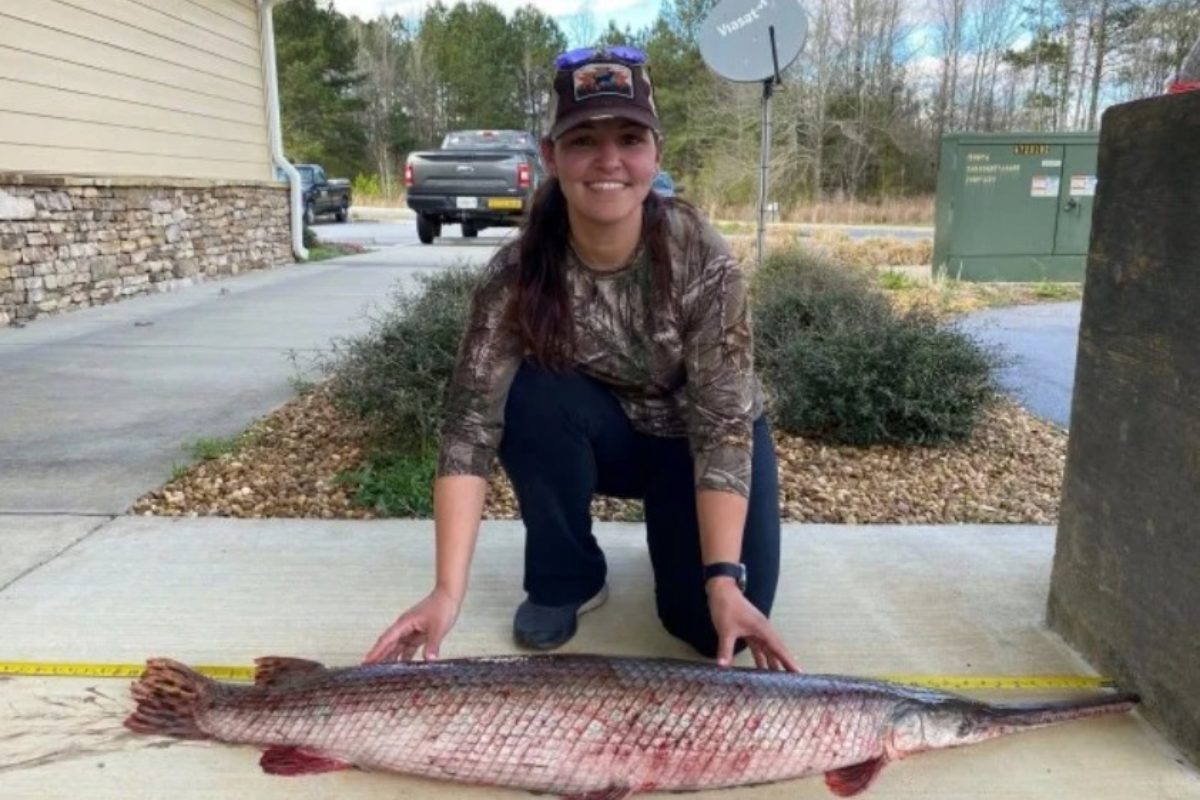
[[155, 88]]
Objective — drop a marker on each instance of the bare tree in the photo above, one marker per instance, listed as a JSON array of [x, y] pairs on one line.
[[379, 60], [950, 19]]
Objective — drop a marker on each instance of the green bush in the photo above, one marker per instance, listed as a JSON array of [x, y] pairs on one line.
[[840, 364], [308, 238], [394, 377], [797, 290]]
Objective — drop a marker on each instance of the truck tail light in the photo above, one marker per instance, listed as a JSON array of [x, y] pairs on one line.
[[408, 174], [523, 176]]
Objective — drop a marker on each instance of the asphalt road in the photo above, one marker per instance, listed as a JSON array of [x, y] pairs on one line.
[[1039, 343]]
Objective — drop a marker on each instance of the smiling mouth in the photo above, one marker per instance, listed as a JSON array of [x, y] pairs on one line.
[[605, 186]]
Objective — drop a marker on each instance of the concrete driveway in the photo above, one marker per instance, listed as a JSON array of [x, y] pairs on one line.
[[1040, 343], [99, 403]]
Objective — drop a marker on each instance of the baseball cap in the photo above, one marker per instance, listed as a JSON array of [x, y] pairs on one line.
[[602, 83]]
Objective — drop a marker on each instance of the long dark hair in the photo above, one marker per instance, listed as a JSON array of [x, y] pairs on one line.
[[539, 309]]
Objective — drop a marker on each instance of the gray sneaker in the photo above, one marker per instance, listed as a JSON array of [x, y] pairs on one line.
[[547, 627]]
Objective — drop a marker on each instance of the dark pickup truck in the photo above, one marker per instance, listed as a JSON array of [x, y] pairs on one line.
[[479, 179], [321, 195]]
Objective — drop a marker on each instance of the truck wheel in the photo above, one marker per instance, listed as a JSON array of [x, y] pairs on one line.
[[310, 216], [342, 214], [469, 230], [427, 229]]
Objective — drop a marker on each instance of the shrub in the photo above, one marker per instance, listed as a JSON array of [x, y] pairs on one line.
[[308, 238], [796, 290], [839, 363], [394, 377]]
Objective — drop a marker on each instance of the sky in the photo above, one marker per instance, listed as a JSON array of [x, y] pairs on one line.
[[569, 14]]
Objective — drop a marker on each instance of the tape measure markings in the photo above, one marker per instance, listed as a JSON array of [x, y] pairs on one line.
[[236, 673], [78, 669]]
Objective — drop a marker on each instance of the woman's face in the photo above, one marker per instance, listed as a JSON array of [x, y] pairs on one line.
[[604, 167]]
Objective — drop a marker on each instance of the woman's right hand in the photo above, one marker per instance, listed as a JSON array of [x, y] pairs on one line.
[[426, 623]]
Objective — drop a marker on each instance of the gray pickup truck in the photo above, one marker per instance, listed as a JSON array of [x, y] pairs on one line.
[[479, 179]]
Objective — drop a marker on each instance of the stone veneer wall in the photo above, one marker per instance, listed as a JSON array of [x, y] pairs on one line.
[[69, 242]]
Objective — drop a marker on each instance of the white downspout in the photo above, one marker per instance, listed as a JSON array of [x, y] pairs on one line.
[[275, 133]]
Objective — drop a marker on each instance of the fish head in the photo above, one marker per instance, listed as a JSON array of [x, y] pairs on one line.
[[917, 727]]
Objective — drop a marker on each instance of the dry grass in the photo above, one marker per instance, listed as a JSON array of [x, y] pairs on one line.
[[396, 199], [883, 251], [893, 211], [948, 298], [876, 252], [904, 272]]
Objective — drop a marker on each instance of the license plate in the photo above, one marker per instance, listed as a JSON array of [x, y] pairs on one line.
[[467, 202], [505, 203]]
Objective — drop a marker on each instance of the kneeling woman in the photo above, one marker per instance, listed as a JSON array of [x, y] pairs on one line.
[[608, 350]]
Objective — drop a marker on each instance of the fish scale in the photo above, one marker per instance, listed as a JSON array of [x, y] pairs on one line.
[[577, 725]]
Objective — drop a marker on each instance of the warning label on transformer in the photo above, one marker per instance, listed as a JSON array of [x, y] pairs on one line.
[[1044, 186]]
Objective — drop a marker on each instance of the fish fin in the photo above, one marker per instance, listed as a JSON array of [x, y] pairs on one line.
[[274, 670], [855, 778], [289, 760], [168, 695], [611, 793]]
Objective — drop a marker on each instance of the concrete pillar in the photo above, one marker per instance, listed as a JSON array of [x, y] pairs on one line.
[[1125, 589]]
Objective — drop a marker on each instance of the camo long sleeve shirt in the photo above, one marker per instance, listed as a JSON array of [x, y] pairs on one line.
[[685, 369]]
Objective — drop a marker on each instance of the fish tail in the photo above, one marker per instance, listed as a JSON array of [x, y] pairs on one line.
[[169, 695]]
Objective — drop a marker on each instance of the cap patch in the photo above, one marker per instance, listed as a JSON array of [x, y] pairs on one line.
[[594, 80]]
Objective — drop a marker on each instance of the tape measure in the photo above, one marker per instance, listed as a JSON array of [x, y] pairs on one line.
[[1017, 682], [232, 673], [80, 669]]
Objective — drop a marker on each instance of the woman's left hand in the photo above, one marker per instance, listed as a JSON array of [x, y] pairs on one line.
[[735, 618]]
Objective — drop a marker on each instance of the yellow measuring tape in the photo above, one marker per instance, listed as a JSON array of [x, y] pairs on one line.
[[79, 669], [231, 673]]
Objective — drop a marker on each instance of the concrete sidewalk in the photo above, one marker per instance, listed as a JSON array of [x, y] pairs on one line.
[[853, 600], [98, 403]]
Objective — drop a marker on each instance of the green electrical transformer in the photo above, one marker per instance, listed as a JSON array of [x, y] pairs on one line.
[[1014, 206]]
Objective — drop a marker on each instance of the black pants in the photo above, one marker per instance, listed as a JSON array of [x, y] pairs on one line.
[[566, 438]]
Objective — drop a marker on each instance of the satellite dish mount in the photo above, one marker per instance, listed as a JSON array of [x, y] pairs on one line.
[[748, 41]]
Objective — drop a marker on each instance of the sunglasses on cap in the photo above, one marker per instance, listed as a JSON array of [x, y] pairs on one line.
[[582, 55]]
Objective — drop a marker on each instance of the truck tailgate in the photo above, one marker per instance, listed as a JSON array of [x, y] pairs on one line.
[[466, 172]]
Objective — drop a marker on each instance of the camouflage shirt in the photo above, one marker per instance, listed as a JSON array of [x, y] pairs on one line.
[[680, 370]]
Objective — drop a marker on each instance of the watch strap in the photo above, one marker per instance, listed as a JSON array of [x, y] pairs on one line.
[[726, 569]]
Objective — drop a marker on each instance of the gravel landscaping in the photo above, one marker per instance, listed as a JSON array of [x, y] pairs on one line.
[[294, 462], [1009, 471]]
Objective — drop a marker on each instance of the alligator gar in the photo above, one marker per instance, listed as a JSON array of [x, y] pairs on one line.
[[578, 726]]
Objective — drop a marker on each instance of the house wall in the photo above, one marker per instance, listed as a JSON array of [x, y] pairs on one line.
[[172, 88], [134, 151]]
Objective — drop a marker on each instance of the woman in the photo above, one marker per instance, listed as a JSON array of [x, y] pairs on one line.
[[608, 350]]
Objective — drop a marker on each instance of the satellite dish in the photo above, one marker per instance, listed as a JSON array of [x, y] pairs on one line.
[[748, 41], [736, 38]]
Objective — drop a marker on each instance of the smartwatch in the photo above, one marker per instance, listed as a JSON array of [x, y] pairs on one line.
[[726, 569]]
